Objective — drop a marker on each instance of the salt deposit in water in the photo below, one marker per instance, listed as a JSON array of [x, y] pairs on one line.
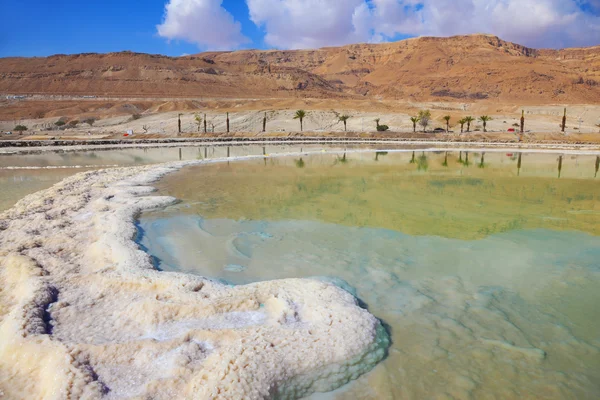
[[500, 303], [83, 313]]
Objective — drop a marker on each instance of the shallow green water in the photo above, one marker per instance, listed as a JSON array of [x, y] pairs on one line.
[[23, 174], [486, 272]]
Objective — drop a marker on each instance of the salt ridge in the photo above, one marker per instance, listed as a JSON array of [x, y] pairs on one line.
[[83, 313]]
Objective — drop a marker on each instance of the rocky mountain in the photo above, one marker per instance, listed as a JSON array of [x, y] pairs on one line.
[[461, 68]]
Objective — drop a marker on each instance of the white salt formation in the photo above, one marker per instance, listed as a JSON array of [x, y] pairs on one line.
[[83, 313]]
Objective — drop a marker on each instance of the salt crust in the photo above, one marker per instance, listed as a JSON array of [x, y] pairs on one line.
[[83, 313]]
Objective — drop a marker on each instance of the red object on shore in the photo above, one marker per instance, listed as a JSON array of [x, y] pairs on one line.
[[511, 130], [126, 134]]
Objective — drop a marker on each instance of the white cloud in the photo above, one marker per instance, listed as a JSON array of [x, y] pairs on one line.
[[315, 23], [310, 23], [203, 22], [539, 23]]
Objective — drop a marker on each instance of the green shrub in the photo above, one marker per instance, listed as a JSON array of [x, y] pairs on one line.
[[382, 128]]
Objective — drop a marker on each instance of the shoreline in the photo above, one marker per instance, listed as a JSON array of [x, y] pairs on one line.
[[36, 147]]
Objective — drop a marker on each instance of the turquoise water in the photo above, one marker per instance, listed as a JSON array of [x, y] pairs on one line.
[[487, 275]]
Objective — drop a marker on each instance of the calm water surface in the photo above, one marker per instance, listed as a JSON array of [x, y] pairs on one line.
[[485, 268], [23, 174]]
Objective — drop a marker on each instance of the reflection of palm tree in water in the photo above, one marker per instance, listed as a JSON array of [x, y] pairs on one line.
[[597, 165], [559, 165], [380, 153], [422, 164], [519, 165], [340, 160]]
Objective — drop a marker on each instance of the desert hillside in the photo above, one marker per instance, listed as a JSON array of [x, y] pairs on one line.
[[462, 68]]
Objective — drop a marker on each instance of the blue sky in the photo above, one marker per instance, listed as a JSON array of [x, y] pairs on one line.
[[71, 26], [45, 27]]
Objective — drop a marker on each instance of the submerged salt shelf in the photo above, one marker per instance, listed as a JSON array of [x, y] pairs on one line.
[[484, 267]]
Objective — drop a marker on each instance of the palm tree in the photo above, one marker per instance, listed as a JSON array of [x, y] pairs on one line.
[[179, 122], [468, 120], [564, 121], [485, 119], [344, 118], [447, 119], [462, 123], [198, 119], [300, 114], [414, 121]]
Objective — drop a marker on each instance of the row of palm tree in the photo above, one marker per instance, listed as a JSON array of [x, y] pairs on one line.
[[468, 120], [423, 119], [301, 114]]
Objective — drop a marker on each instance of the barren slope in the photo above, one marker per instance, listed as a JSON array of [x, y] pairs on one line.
[[463, 68]]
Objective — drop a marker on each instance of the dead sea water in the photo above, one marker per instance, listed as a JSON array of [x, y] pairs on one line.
[[23, 174], [483, 267]]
